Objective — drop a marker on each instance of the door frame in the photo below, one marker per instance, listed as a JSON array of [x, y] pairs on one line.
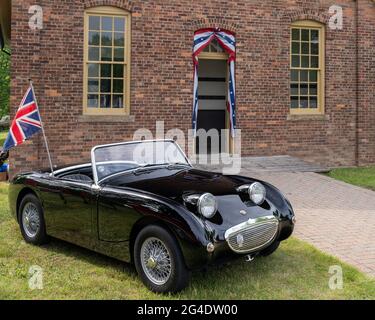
[[220, 56]]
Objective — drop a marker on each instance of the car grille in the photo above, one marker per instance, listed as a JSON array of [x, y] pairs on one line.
[[252, 235]]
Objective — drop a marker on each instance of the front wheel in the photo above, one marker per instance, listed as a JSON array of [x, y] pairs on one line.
[[31, 220], [159, 261]]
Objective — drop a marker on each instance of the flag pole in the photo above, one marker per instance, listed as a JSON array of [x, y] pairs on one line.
[[41, 123]]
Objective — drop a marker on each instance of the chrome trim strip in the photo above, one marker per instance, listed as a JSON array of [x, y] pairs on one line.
[[243, 188], [78, 166]]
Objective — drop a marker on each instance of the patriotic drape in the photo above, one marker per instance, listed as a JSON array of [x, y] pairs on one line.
[[226, 39]]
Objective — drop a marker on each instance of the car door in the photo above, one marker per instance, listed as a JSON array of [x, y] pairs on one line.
[[117, 213], [68, 209]]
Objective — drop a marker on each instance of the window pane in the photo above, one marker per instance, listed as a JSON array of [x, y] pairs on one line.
[[92, 100], [304, 102], [304, 89], [295, 34], [294, 89], [215, 46], [93, 85], [118, 86], [118, 70], [304, 75], [93, 54], [119, 54], [119, 24], [106, 38], [94, 38], [305, 34], [315, 36], [314, 48], [313, 102], [305, 61], [118, 101], [313, 90], [295, 47], [119, 39], [94, 23], [93, 70], [105, 101], [294, 102], [305, 47], [314, 62], [107, 23], [295, 61], [105, 85], [106, 54], [313, 76], [294, 75], [105, 70]]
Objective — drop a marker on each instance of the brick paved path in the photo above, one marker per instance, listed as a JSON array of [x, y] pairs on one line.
[[336, 217]]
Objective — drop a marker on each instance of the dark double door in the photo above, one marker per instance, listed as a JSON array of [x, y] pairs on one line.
[[212, 95]]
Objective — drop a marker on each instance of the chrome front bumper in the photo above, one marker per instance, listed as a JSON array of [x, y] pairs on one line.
[[252, 235]]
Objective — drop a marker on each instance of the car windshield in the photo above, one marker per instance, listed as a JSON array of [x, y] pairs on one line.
[[110, 159]]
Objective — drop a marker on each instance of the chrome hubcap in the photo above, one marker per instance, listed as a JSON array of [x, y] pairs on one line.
[[30, 220], [151, 263], [156, 261]]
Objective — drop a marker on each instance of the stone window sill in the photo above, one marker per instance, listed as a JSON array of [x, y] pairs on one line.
[[105, 118], [304, 117]]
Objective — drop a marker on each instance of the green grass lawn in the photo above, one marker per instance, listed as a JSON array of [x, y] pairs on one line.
[[296, 271], [3, 135], [363, 177]]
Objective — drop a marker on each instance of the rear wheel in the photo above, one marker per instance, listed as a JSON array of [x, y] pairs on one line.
[[159, 261], [31, 220]]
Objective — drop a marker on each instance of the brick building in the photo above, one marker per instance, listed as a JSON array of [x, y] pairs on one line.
[[104, 68]]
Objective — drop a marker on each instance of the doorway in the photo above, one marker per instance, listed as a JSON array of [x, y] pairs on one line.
[[212, 96]]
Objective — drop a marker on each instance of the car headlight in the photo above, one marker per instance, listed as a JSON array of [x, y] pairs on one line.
[[257, 193], [207, 205]]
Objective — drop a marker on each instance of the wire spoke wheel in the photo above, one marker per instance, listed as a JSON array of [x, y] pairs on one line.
[[156, 261], [30, 219]]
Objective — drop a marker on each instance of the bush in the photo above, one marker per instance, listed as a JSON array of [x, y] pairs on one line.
[[4, 83]]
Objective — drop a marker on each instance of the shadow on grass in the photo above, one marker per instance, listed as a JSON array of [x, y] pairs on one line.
[[214, 282], [76, 252]]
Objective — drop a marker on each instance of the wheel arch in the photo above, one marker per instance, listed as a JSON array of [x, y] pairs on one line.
[[142, 223], [194, 255], [24, 191]]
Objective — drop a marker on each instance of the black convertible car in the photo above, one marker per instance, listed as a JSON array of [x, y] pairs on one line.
[[143, 202]]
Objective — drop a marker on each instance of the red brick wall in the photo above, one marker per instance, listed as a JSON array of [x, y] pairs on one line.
[[161, 77], [366, 82]]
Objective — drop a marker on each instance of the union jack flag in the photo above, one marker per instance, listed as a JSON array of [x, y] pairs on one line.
[[26, 123]]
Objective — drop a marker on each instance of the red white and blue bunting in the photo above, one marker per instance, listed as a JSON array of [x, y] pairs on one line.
[[227, 40]]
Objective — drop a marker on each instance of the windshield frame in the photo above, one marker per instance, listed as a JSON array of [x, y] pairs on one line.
[[93, 162]]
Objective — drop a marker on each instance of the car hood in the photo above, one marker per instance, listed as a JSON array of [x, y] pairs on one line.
[[173, 183], [233, 209]]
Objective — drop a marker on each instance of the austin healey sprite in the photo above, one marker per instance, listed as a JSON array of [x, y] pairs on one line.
[[143, 202]]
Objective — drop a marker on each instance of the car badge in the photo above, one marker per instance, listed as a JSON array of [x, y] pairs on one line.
[[240, 240], [243, 212]]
